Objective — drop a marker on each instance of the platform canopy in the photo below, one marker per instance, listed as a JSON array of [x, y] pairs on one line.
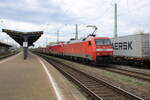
[[19, 36], [4, 45]]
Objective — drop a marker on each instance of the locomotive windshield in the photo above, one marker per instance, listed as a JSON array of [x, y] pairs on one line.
[[103, 42]]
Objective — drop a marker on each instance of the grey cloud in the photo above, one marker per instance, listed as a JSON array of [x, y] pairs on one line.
[[47, 12]]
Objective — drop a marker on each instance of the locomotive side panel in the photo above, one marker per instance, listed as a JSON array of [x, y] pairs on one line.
[[80, 49], [56, 49]]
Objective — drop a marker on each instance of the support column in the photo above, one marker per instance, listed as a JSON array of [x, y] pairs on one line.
[[25, 47], [76, 36], [115, 21]]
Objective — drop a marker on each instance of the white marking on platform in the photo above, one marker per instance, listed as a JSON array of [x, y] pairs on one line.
[[57, 92], [5, 60]]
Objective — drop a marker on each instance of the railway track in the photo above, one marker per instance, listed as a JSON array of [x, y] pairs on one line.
[[7, 55], [130, 73], [98, 89], [127, 72]]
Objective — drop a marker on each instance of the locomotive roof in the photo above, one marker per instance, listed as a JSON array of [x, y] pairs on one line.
[[79, 40], [74, 41], [86, 39]]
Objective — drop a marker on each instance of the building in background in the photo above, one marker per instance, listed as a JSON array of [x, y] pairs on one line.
[[4, 48]]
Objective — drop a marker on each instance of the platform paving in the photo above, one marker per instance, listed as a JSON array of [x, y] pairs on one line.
[[24, 80], [27, 80]]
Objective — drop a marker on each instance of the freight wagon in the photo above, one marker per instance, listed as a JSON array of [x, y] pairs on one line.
[[133, 48]]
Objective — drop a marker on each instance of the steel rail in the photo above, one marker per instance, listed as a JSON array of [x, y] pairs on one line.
[[115, 92], [145, 74], [137, 75]]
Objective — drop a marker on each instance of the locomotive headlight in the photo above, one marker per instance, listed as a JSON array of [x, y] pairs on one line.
[[109, 49], [99, 49], [104, 49]]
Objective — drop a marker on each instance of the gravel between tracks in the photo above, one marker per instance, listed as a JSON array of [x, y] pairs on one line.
[[146, 71], [130, 84]]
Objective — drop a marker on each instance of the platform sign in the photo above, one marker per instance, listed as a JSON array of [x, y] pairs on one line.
[[25, 44]]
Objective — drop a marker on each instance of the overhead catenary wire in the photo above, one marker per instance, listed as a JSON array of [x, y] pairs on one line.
[[127, 2], [105, 11], [135, 9]]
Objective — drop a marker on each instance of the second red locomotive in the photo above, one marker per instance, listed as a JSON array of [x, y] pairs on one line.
[[97, 49]]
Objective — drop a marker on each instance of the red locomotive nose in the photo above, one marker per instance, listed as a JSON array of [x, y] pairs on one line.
[[104, 50], [103, 47]]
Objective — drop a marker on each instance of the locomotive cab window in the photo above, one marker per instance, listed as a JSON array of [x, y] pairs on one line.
[[102, 42], [89, 43]]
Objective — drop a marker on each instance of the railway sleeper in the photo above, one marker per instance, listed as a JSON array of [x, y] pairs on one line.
[[94, 85], [107, 95], [89, 82]]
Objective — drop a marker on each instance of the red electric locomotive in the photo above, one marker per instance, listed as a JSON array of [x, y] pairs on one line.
[[92, 48], [97, 49]]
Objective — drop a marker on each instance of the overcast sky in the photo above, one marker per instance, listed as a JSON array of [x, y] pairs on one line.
[[50, 15]]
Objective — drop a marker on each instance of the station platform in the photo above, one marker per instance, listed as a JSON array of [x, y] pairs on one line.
[[34, 79]]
